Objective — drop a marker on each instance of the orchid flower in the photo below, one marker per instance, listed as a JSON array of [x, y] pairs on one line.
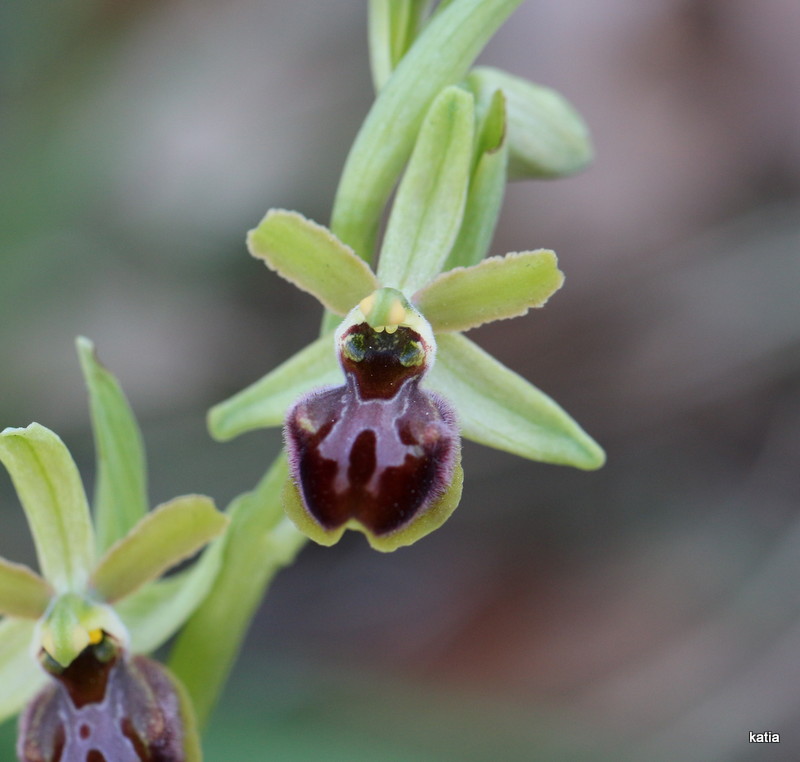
[[373, 409], [69, 635]]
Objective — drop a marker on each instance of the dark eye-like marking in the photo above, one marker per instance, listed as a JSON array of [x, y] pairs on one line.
[[379, 450], [354, 347]]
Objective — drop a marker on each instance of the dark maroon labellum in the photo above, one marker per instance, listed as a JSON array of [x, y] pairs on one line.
[[104, 707], [378, 450]]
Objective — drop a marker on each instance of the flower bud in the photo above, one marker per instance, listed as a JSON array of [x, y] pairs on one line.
[[547, 136]]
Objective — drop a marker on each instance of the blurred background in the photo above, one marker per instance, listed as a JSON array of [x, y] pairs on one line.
[[647, 611]]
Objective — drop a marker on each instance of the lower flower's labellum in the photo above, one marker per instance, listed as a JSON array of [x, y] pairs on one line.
[[105, 707], [378, 452]]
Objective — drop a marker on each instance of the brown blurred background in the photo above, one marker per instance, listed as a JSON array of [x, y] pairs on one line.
[[647, 611]]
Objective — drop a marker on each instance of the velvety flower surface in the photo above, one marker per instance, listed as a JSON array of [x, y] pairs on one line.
[[378, 451], [106, 706]]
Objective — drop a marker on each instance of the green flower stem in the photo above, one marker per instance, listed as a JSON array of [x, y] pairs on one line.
[[260, 541], [393, 25], [439, 57]]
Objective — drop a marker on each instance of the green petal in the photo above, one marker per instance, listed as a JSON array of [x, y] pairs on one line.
[[20, 676], [167, 535], [547, 137], [120, 498], [155, 612], [260, 541], [23, 592], [50, 490], [312, 258], [432, 519], [497, 288], [441, 56], [265, 402], [429, 206], [486, 188], [499, 408], [393, 25]]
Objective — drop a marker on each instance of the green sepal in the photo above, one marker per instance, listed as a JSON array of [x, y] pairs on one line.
[[50, 490], [495, 289], [259, 542], [393, 25], [429, 206], [547, 136], [265, 402], [73, 622], [120, 496], [164, 537], [420, 526], [440, 56], [486, 187], [156, 611], [312, 258], [498, 408], [20, 676], [23, 593]]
